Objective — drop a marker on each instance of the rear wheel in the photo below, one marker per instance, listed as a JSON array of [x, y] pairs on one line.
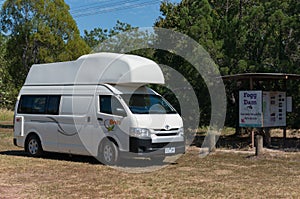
[[109, 153], [33, 146]]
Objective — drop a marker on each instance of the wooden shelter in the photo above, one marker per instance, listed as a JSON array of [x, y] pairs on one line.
[[263, 77]]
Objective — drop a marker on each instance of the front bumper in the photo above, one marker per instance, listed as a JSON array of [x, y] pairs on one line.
[[145, 147]]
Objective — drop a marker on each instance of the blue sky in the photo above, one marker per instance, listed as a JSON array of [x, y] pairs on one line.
[[90, 14]]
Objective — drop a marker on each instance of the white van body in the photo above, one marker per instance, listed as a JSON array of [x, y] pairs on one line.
[[97, 105]]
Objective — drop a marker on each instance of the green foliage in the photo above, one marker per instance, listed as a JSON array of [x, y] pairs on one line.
[[241, 36], [39, 31], [2, 53], [193, 18], [95, 36], [8, 92], [112, 41], [258, 35]]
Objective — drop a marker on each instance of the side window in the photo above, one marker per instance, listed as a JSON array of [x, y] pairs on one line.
[[39, 104], [110, 105], [25, 104], [53, 105], [105, 104]]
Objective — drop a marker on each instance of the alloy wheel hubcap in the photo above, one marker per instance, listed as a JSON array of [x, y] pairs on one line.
[[108, 153], [33, 147]]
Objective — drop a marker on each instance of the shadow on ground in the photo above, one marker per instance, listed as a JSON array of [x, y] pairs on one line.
[[6, 126], [54, 156], [242, 142], [124, 162]]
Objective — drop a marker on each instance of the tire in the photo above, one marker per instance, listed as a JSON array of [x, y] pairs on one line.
[[34, 146], [109, 154]]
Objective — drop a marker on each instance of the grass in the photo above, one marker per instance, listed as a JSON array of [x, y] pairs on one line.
[[6, 116], [219, 175], [202, 131]]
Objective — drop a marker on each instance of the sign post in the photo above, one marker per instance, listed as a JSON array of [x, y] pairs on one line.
[[250, 110], [262, 109]]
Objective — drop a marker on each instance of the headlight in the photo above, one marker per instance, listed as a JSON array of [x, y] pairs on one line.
[[181, 131], [139, 132]]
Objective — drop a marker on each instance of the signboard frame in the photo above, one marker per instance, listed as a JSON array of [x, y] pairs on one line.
[[262, 108]]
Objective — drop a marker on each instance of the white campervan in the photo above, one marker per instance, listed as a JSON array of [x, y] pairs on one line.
[[97, 105]]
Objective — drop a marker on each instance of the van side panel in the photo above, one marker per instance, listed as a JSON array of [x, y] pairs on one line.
[[45, 128], [75, 116]]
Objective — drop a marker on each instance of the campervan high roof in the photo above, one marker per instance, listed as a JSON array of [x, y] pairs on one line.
[[98, 68]]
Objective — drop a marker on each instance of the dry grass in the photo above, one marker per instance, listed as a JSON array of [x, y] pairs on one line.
[[6, 115], [290, 133], [219, 175]]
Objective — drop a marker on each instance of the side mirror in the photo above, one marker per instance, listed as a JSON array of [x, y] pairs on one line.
[[120, 112]]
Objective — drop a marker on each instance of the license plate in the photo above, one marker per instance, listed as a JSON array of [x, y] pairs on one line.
[[169, 150]]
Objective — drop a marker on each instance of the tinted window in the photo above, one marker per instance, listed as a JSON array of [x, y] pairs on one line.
[[39, 104], [110, 105], [105, 104], [53, 105], [148, 104]]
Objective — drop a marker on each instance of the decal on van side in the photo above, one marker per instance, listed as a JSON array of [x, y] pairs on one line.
[[110, 124], [60, 129]]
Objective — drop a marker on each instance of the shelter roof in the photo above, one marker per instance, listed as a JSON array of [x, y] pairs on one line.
[[262, 76]]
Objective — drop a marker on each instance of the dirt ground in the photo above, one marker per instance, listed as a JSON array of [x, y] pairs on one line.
[[226, 173]]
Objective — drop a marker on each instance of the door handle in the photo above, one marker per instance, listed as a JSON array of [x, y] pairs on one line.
[[100, 119]]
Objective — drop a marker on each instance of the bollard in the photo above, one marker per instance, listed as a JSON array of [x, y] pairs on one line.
[[211, 142], [258, 145]]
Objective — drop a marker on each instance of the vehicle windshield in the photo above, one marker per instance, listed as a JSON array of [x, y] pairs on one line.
[[148, 104]]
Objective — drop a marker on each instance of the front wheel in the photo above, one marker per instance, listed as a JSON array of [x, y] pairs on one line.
[[109, 153], [33, 146]]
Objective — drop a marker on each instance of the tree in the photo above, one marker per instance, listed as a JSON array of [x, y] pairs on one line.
[[115, 39], [2, 68], [2, 51], [94, 37], [39, 31], [7, 90], [241, 36], [195, 19]]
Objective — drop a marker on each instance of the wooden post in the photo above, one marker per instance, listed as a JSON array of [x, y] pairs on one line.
[[284, 133], [267, 137], [251, 83], [284, 128], [252, 138], [258, 145], [284, 136]]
